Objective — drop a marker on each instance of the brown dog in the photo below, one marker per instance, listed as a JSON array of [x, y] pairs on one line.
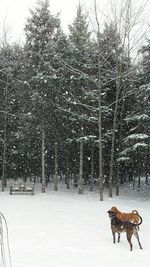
[[119, 226], [132, 217]]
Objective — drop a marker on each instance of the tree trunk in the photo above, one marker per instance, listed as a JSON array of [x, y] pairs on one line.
[[43, 162], [4, 156], [56, 169], [67, 178], [92, 170], [113, 139], [80, 187], [4, 144], [99, 106], [139, 178], [117, 184], [75, 180], [119, 146], [100, 148]]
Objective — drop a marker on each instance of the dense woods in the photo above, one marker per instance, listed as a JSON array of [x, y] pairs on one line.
[[75, 107]]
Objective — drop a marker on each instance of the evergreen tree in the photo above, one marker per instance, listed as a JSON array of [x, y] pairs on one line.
[[78, 99], [11, 110], [136, 144], [45, 42]]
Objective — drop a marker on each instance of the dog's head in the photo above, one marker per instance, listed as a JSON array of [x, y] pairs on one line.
[[112, 212]]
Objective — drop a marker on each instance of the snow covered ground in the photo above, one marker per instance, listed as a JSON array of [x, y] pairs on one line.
[[65, 229]]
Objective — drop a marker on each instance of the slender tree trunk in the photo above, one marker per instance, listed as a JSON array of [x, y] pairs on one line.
[[139, 177], [67, 178], [133, 185], [43, 162], [80, 186], [75, 180], [146, 178], [117, 184], [119, 147], [113, 139], [126, 39], [92, 170], [99, 106], [4, 144], [56, 168], [100, 149], [4, 156], [122, 107]]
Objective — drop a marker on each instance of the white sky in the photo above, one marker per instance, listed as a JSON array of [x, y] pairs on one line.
[[13, 13]]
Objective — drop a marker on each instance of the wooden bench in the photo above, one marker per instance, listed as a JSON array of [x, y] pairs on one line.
[[22, 188]]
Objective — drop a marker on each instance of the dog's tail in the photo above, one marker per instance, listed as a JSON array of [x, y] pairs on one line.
[[135, 212], [137, 224]]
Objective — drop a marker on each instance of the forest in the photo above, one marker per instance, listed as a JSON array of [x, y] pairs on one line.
[[76, 106]]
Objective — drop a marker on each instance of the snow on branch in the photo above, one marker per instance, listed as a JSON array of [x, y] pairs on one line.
[[123, 159], [141, 117], [139, 145], [85, 139], [125, 151], [145, 88], [136, 137]]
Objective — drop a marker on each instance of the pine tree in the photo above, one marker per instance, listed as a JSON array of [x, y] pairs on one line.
[[44, 44], [136, 144], [79, 98], [11, 109]]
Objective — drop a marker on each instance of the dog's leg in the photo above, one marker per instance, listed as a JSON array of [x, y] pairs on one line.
[[129, 235], [118, 237], [137, 237], [114, 237]]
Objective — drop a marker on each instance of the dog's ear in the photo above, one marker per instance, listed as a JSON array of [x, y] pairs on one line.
[[114, 209]]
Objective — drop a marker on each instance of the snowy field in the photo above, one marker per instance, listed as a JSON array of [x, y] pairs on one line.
[[65, 229]]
